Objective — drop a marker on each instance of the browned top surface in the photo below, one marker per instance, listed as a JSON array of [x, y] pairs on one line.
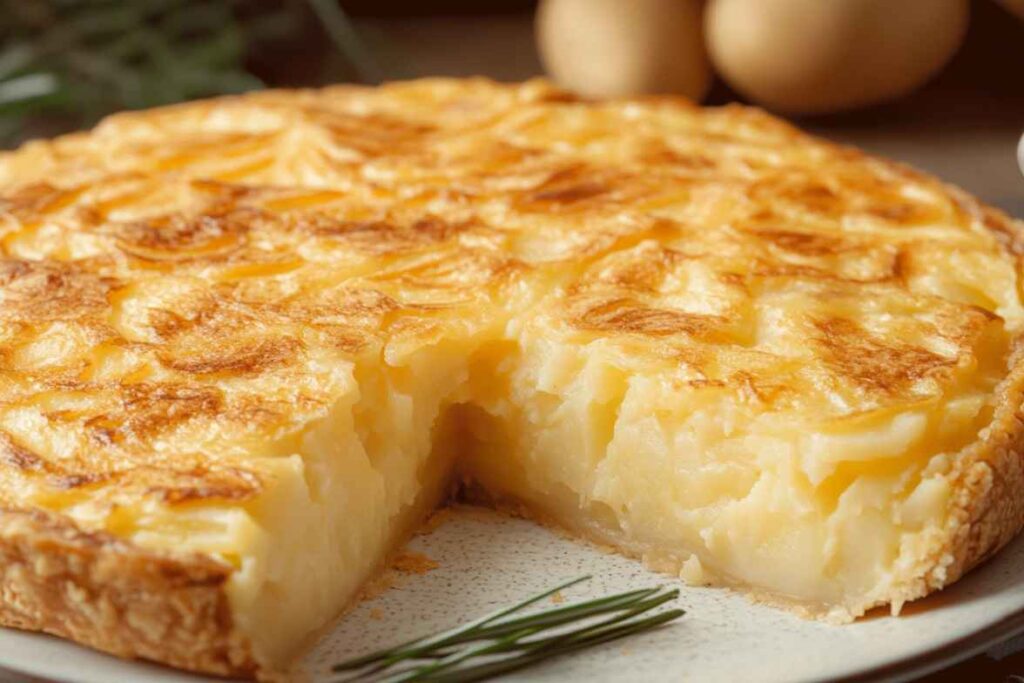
[[185, 287]]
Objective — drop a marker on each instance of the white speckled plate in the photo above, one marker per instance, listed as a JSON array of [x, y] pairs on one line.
[[487, 560]]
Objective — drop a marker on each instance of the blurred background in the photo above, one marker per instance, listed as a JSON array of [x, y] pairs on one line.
[[936, 83]]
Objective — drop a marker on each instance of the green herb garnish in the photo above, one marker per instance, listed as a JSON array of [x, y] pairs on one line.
[[499, 643]]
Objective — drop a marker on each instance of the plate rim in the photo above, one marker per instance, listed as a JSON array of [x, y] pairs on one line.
[[941, 656], [915, 666]]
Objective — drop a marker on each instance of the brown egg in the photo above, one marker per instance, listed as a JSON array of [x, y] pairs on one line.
[[610, 48], [815, 56], [1015, 6]]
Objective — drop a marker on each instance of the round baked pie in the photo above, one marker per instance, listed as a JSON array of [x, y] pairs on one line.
[[247, 344]]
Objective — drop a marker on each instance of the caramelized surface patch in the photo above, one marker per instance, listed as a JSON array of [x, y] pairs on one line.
[[888, 367]]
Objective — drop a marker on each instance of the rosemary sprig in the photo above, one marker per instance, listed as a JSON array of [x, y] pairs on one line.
[[499, 643]]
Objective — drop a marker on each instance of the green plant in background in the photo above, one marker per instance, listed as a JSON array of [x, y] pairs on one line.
[[66, 63]]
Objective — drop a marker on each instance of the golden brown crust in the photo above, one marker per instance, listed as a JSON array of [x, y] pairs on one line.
[[115, 597], [987, 510]]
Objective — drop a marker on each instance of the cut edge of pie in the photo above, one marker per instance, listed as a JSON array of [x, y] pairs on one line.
[[133, 602]]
